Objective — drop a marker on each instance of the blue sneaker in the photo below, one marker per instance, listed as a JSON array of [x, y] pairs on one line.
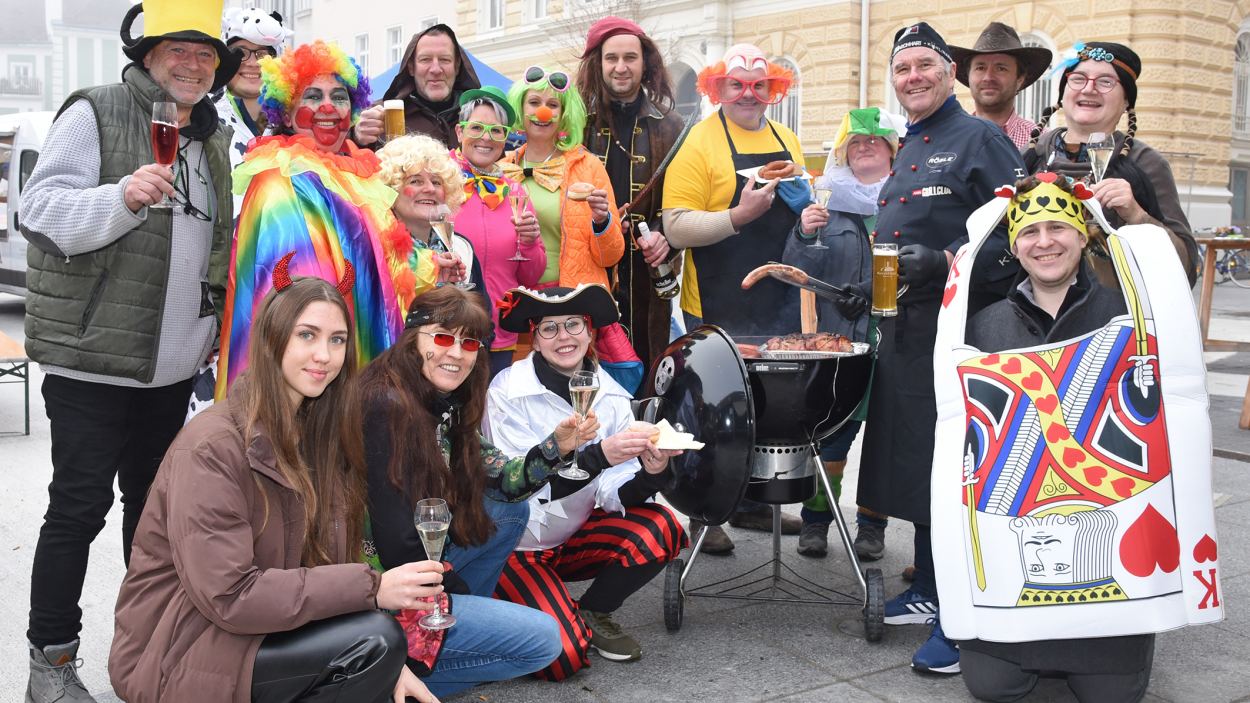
[[910, 608], [938, 655]]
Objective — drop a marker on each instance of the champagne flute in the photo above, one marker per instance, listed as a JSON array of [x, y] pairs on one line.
[[821, 197], [583, 386], [445, 229], [432, 519], [517, 197], [1099, 149], [164, 140]]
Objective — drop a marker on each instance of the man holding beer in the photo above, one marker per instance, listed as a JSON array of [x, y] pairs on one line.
[[631, 126], [433, 73], [949, 164]]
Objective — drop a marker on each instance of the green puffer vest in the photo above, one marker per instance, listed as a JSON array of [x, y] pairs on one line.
[[101, 312]]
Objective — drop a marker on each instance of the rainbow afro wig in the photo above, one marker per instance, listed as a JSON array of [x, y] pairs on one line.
[[284, 78]]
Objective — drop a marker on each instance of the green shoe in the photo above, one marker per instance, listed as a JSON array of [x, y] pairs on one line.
[[607, 639]]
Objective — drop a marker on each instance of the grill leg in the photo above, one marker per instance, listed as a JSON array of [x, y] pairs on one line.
[[694, 553], [776, 543], [843, 532]]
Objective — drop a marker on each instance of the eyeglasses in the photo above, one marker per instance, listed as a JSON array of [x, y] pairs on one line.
[[1102, 84], [733, 90], [475, 130], [549, 330], [863, 143], [558, 80], [444, 339], [257, 54]]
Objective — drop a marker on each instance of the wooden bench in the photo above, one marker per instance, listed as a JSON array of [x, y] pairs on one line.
[[15, 368]]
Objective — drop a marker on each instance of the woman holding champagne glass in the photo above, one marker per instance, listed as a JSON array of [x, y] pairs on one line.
[[603, 527], [1098, 86], [496, 215], [424, 400]]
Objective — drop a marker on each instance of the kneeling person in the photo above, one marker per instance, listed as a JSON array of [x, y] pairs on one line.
[[602, 528]]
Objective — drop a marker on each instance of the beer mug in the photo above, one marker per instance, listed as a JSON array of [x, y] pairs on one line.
[[885, 279], [393, 111]]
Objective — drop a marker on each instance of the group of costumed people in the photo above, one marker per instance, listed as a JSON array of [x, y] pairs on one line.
[[367, 361]]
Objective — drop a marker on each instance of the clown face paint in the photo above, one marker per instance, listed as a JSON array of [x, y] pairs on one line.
[[324, 112]]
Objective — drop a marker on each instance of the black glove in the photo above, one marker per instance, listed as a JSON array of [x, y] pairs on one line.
[[853, 302], [918, 264]]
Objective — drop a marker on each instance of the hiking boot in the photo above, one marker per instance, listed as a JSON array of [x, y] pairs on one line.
[[716, 542], [607, 639], [910, 608], [54, 675], [814, 540], [762, 519], [938, 655], [869, 541]]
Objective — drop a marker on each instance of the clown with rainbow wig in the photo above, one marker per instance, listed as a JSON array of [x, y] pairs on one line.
[[311, 191]]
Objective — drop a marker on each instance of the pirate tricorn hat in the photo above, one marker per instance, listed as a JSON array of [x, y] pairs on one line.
[[179, 20]]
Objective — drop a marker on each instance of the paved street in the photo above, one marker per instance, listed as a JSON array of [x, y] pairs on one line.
[[726, 650]]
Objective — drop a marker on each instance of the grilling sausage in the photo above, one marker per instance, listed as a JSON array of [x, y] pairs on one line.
[[792, 274]]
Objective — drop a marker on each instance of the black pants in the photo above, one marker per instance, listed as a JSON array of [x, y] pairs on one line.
[[354, 657], [990, 678], [99, 432], [925, 581]]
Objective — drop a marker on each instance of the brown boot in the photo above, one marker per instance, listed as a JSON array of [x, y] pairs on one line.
[[762, 519], [716, 542]]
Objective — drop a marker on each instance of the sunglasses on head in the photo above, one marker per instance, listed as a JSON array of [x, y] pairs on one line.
[[445, 339], [558, 80]]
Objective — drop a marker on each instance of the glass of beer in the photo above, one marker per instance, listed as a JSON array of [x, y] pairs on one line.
[[393, 119], [885, 279]]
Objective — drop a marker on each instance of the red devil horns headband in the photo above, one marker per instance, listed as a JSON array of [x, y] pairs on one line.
[[282, 276]]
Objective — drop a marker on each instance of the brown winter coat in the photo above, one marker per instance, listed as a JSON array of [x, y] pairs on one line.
[[419, 116], [212, 571]]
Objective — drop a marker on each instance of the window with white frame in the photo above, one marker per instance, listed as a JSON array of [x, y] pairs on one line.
[[1241, 87], [427, 23], [1031, 101], [492, 14], [394, 44], [538, 9], [787, 111], [362, 52]]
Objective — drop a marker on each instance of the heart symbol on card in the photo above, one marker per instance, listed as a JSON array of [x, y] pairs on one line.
[[1047, 404], [1033, 381], [1095, 475], [1073, 456], [1148, 543], [989, 360], [1123, 487], [948, 295], [1057, 432], [1012, 366], [1205, 550], [1081, 192]]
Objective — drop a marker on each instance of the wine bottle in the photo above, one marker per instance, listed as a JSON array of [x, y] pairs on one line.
[[662, 277]]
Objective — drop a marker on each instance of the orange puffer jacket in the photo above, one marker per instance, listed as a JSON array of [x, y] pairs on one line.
[[584, 258]]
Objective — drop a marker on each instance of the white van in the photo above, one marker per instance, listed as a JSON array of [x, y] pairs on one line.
[[21, 138]]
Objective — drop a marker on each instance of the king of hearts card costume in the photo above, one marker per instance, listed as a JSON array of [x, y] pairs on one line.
[[1071, 482]]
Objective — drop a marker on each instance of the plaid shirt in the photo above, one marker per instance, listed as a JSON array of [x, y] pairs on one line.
[[1019, 130]]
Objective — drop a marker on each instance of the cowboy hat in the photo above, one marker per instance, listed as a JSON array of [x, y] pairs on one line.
[[999, 38]]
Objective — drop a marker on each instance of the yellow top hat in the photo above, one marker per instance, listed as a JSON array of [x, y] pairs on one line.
[[179, 20]]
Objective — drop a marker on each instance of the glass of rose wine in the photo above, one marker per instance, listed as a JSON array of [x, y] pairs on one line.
[[432, 519], [1099, 148], [164, 139], [517, 198], [583, 387]]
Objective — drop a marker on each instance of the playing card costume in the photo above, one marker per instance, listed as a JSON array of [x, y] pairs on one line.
[[1072, 468]]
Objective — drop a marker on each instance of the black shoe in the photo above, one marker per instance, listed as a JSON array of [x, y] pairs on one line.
[[762, 519], [814, 540], [716, 542], [869, 541]]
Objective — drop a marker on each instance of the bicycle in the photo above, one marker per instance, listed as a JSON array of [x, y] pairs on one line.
[[1232, 266]]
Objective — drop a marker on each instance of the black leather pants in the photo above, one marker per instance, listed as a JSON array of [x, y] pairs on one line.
[[353, 657]]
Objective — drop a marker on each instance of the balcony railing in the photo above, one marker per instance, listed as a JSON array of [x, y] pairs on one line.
[[21, 86]]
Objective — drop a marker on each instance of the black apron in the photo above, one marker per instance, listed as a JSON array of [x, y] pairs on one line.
[[770, 307]]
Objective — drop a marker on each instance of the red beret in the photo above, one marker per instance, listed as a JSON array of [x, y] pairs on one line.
[[609, 26]]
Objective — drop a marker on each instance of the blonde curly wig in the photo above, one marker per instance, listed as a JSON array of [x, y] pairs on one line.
[[414, 153]]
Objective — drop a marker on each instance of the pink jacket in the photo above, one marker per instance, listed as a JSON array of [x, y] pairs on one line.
[[494, 242]]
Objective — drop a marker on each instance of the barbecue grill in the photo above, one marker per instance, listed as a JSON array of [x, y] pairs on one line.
[[760, 420]]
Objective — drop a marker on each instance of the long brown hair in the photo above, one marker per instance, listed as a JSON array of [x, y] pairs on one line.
[[412, 408], [318, 446], [655, 81]]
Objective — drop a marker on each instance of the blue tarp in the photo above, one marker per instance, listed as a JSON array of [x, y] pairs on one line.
[[489, 76]]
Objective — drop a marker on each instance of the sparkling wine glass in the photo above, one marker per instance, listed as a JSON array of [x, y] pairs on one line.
[[517, 198], [821, 197], [432, 518], [164, 140], [445, 228], [583, 386], [1099, 149]]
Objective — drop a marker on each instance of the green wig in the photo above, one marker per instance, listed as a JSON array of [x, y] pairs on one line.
[[572, 124]]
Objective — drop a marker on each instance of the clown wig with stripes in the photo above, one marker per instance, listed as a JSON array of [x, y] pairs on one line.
[[284, 78]]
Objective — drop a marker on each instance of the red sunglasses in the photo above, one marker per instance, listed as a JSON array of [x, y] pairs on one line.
[[444, 339]]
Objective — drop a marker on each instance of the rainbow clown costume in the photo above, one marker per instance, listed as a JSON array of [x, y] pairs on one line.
[[311, 191]]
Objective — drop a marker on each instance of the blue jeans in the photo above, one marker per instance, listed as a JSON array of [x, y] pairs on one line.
[[492, 640], [481, 565]]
